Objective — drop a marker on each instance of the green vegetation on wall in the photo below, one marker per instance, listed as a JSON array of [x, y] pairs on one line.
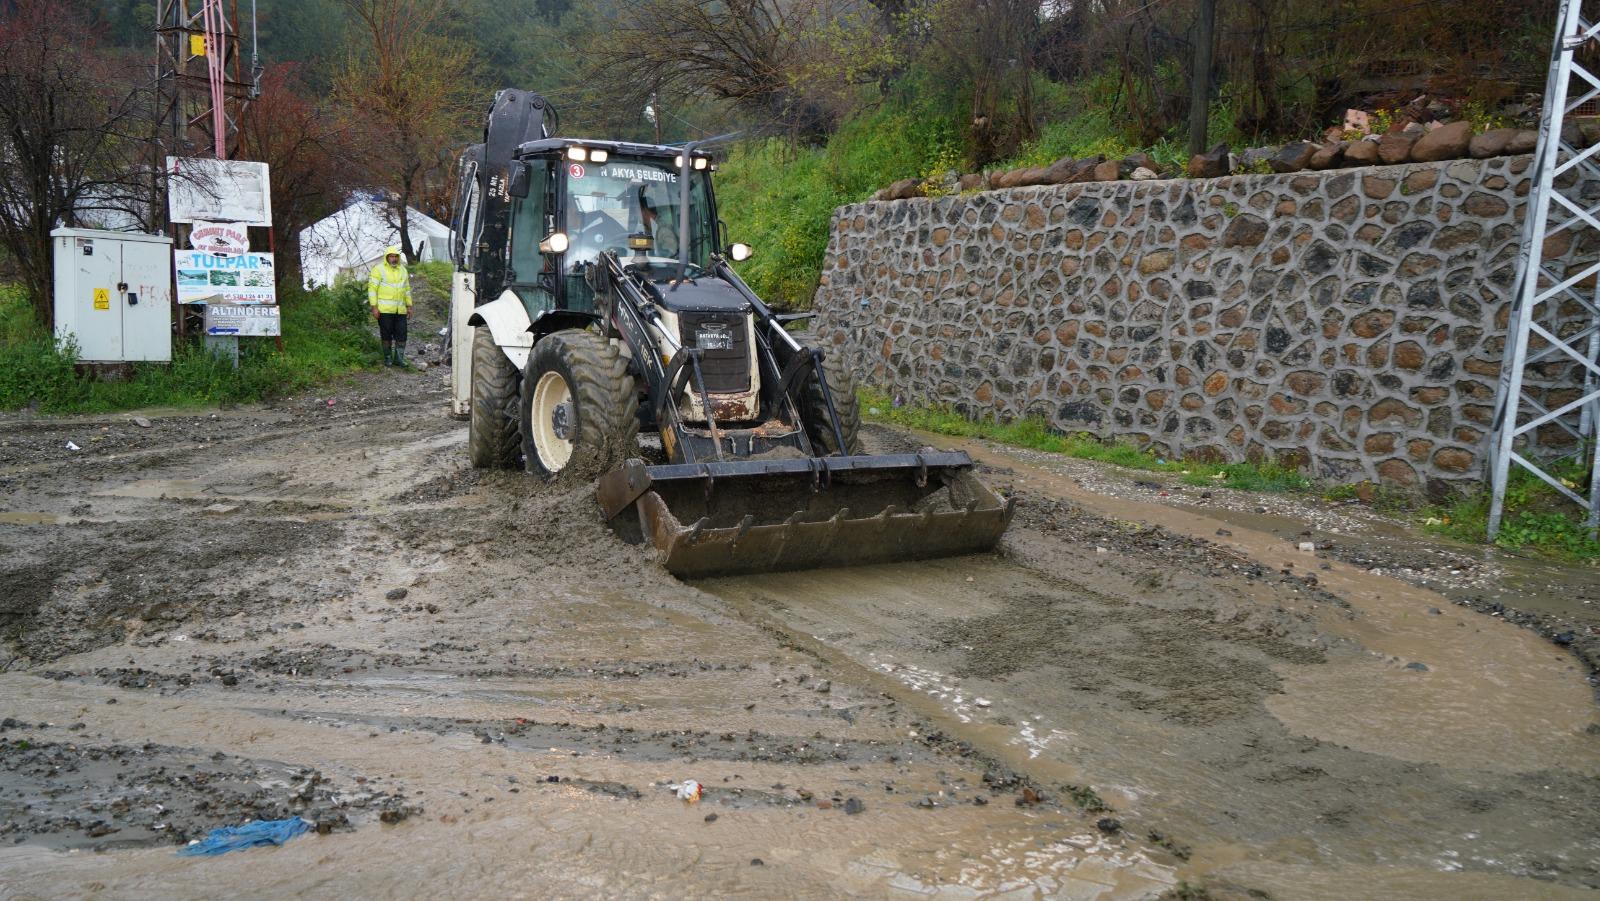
[[780, 198]]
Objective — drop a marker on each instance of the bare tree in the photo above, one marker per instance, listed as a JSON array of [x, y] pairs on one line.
[[74, 128], [409, 94], [760, 55], [990, 43]]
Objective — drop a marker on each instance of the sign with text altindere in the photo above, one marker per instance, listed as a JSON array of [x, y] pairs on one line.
[[244, 320], [224, 278]]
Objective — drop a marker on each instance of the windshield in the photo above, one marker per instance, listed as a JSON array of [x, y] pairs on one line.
[[630, 206]]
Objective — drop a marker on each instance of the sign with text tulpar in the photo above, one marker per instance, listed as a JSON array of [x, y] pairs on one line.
[[245, 278]]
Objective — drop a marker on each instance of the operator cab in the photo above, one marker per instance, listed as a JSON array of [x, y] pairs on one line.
[[586, 198]]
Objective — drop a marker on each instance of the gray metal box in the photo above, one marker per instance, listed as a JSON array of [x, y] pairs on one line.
[[113, 294]]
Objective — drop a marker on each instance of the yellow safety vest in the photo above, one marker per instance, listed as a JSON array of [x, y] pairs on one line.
[[389, 288]]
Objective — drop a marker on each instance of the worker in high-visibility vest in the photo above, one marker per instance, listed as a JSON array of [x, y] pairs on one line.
[[389, 295]]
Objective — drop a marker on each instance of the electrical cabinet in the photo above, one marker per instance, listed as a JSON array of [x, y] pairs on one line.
[[113, 294]]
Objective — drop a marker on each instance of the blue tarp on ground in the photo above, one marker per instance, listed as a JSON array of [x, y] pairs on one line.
[[233, 838]]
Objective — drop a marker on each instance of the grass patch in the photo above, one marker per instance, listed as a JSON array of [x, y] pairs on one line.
[[326, 333], [780, 198], [1033, 433], [437, 274], [1537, 519]]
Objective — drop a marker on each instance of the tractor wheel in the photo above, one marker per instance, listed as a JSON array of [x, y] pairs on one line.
[[819, 428], [579, 409], [492, 423]]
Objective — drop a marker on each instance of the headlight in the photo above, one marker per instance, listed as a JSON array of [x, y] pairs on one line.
[[598, 156], [577, 153], [677, 161], [741, 252], [701, 162], [555, 243]]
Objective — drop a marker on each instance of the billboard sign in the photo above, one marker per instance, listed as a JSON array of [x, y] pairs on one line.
[[245, 278], [205, 190], [243, 320]]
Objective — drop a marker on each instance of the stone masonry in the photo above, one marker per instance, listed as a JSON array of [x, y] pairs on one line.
[[1347, 322]]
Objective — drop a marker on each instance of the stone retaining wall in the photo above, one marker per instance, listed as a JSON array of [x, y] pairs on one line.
[[1350, 322]]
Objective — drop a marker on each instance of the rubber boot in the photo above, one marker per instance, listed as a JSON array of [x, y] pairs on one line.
[[400, 355], [388, 353]]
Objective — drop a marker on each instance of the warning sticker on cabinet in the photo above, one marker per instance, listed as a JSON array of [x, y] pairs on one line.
[[102, 298]]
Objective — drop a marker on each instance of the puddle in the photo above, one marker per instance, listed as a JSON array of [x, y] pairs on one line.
[[30, 518], [1492, 695]]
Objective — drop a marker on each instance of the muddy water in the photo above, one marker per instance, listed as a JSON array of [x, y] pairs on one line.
[[330, 591], [1486, 693], [1330, 737]]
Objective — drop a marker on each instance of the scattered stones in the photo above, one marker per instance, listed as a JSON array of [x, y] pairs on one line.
[[854, 806], [1417, 667], [1293, 157], [1525, 141], [1361, 153], [1214, 163], [396, 594], [1447, 142], [1491, 143], [1108, 825], [1329, 156], [1394, 149]]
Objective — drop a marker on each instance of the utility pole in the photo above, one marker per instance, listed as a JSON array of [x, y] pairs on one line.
[[201, 87], [1547, 411], [1200, 85]]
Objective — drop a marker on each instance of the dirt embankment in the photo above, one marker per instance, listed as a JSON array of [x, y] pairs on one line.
[[465, 679]]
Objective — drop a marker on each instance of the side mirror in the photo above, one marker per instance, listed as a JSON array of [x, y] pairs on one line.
[[519, 180], [557, 242], [740, 252]]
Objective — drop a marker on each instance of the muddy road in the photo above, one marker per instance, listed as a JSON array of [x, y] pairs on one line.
[[467, 683]]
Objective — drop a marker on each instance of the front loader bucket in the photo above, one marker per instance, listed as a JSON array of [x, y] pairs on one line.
[[765, 515]]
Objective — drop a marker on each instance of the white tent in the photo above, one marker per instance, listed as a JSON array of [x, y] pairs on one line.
[[350, 242]]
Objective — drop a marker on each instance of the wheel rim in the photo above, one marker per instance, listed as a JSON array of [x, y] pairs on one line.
[[552, 421]]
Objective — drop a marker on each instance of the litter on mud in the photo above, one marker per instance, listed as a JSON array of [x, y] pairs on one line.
[[250, 835]]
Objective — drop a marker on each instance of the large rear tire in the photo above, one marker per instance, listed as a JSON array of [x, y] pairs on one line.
[[819, 428], [579, 408], [492, 441]]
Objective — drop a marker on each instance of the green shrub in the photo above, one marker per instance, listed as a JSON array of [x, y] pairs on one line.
[[326, 333], [780, 199], [1536, 517]]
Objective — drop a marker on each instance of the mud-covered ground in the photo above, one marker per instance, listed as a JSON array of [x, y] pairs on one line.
[[468, 683]]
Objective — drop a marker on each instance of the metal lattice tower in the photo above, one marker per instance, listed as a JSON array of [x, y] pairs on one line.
[[187, 82], [1550, 377]]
